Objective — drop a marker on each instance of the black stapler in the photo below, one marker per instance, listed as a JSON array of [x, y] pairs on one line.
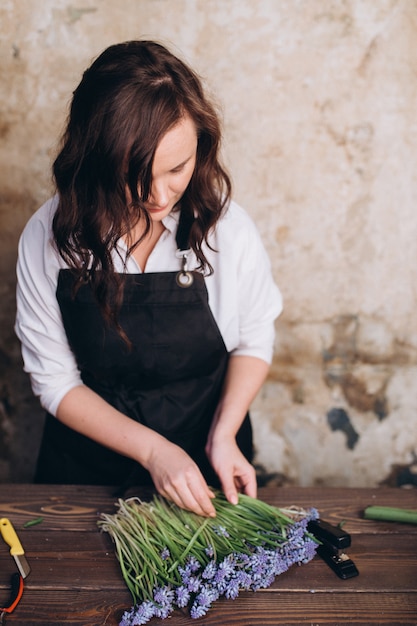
[[333, 542]]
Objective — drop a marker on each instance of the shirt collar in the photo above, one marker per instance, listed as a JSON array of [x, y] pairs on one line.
[[171, 221]]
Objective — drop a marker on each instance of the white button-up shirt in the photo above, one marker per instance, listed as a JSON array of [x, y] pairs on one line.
[[243, 297]]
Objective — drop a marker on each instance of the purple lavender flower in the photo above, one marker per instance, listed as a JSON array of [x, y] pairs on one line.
[[198, 610], [203, 601], [193, 563], [209, 550], [182, 596], [193, 584], [163, 611], [126, 621], [163, 601], [304, 553], [244, 559], [225, 571], [260, 557], [165, 554], [229, 563], [310, 549], [259, 566], [140, 614], [214, 593], [243, 580], [207, 595], [185, 574], [297, 531], [225, 568], [209, 571], [163, 595], [221, 531], [280, 564], [313, 513], [232, 590]]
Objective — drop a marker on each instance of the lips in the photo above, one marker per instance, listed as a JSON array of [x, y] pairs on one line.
[[157, 209]]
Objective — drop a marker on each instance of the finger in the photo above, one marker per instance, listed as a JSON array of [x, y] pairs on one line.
[[198, 497], [230, 491], [247, 483], [190, 503], [243, 482], [193, 495]]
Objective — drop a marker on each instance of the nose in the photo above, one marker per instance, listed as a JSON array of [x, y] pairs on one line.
[[159, 195]]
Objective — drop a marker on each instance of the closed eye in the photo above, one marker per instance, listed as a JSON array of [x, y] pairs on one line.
[[180, 167]]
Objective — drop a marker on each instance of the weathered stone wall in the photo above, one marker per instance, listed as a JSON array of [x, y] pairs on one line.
[[319, 99]]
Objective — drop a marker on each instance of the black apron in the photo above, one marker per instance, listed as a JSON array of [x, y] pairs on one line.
[[170, 379]]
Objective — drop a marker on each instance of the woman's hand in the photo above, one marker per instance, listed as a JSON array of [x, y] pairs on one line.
[[174, 473], [244, 377], [235, 472], [179, 479]]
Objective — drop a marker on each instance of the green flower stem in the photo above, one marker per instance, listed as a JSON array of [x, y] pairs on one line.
[[191, 543], [391, 514]]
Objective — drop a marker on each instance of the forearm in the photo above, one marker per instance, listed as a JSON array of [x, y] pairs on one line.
[[244, 378], [87, 413], [174, 473]]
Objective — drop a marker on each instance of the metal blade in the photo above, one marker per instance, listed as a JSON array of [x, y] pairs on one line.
[[22, 565]]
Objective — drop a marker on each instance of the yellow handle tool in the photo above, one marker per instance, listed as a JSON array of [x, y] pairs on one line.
[[16, 550]]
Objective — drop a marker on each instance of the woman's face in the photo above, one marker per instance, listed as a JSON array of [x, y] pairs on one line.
[[172, 169]]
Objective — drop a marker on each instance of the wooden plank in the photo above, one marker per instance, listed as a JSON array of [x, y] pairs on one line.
[[89, 562], [71, 508], [347, 505], [47, 608], [77, 508]]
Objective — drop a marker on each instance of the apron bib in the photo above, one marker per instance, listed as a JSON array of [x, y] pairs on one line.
[[169, 380]]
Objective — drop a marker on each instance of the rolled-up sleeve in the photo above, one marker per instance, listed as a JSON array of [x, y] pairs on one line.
[[47, 356], [260, 303]]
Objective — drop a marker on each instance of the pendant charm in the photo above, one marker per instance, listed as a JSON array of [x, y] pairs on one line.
[[184, 278]]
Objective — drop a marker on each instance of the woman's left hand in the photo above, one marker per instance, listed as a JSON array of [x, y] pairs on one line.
[[244, 377], [235, 473]]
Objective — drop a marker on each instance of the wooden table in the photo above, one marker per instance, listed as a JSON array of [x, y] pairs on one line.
[[75, 577]]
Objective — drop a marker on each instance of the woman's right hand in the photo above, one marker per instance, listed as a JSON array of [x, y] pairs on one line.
[[174, 473], [177, 477]]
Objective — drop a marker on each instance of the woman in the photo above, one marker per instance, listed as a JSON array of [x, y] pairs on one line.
[[145, 298]]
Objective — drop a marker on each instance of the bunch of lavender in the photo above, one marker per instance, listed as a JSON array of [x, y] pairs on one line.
[[171, 558]]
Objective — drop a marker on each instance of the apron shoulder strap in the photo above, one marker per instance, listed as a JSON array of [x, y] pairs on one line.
[[184, 277], [184, 227]]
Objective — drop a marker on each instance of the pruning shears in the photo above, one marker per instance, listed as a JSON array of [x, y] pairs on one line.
[[17, 580]]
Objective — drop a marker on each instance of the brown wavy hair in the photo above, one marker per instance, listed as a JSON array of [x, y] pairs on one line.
[[127, 100]]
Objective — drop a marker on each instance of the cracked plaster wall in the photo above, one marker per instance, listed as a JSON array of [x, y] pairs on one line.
[[319, 100]]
